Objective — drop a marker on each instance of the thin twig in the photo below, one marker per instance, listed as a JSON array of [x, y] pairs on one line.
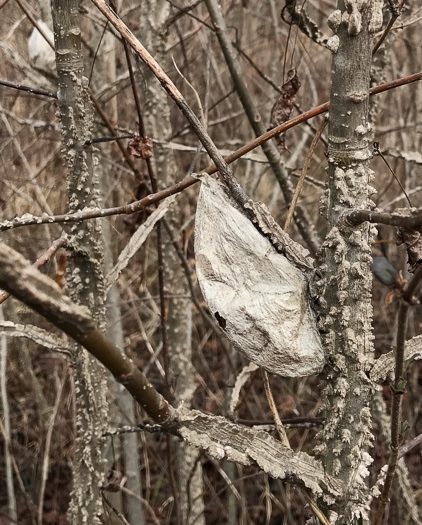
[[10, 488], [28, 502], [304, 224], [188, 274], [160, 260], [181, 12], [302, 177], [225, 172], [113, 508], [377, 151], [34, 91], [317, 511], [45, 461], [189, 181], [407, 447], [35, 23], [273, 407], [398, 389], [396, 12]]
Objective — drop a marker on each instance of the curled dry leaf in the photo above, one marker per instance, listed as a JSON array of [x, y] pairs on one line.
[[283, 107], [255, 294], [140, 147], [113, 480], [413, 241]]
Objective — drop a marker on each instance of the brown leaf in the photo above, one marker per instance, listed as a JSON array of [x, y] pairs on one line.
[[413, 241], [113, 480], [140, 147], [282, 109]]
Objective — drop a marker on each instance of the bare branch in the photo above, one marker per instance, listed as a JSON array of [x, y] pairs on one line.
[[37, 335], [42, 294], [406, 218], [219, 437]]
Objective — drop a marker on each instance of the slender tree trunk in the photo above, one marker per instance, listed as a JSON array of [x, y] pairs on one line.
[[123, 412], [345, 289], [158, 125], [85, 280]]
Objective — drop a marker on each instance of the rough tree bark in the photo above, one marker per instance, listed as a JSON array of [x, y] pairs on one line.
[[344, 290], [85, 277]]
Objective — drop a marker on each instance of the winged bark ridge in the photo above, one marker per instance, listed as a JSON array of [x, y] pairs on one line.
[[257, 296]]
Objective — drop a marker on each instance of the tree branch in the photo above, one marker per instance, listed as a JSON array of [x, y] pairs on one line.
[[93, 213], [406, 218], [219, 437]]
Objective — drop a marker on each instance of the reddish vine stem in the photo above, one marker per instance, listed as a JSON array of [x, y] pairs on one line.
[[189, 180]]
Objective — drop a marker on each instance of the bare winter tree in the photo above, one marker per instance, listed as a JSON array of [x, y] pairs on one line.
[[145, 113]]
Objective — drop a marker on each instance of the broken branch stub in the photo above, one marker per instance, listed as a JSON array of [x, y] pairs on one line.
[[255, 294]]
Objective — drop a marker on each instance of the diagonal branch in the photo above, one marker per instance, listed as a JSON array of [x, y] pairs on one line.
[[225, 172], [93, 213], [219, 437]]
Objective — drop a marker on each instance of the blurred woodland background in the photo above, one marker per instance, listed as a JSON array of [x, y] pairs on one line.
[[152, 478]]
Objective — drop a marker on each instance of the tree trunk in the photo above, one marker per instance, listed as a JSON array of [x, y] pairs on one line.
[[345, 289], [158, 125], [85, 278]]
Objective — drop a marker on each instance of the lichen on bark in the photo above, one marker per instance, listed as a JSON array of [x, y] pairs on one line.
[[344, 288], [85, 276]]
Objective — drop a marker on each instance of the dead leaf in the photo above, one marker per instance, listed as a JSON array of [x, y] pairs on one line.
[[140, 147], [413, 241], [282, 109], [256, 295]]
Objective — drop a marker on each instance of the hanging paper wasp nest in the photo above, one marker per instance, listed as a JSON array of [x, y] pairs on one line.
[[257, 296]]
